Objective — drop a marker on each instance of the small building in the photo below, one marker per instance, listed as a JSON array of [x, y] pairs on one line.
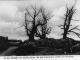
[[3, 39]]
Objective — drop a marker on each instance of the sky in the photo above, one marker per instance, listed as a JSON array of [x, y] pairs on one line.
[[12, 16]]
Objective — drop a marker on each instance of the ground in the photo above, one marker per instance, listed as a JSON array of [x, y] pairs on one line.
[[44, 47]]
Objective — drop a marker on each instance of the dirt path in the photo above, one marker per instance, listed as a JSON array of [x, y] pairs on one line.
[[8, 52]]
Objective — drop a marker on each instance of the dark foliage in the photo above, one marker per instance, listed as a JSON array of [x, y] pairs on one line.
[[48, 46]]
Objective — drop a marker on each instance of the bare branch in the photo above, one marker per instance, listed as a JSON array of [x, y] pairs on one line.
[[75, 33], [36, 11], [29, 13], [77, 29], [48, 30], [75, 20], [60, 25], [73, 28]]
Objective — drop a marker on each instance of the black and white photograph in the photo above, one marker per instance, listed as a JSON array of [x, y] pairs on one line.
[[39, 27]]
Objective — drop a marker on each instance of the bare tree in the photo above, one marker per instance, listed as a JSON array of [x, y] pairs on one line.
[[67, 22], [44, 28], [36, 23], [30, 22]]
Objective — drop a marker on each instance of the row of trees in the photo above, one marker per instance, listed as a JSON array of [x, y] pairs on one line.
[[36, 22]]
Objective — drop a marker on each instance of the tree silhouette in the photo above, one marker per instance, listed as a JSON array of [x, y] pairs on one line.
[[44, 28], [67, 22], [31, 23], [36, 20]]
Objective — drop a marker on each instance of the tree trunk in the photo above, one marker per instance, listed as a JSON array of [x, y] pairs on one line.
[[64, 34], [31, 37], [43, 36]]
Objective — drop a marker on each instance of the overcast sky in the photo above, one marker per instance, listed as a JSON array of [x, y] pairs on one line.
[[12, 16]]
